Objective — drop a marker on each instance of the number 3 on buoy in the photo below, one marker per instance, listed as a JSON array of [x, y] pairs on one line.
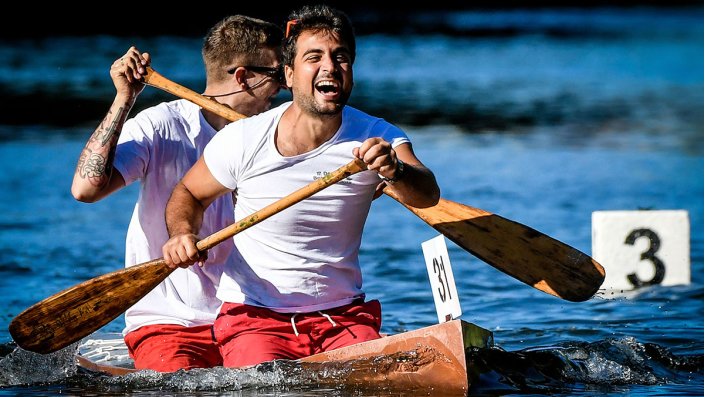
[[642, 248], [440, 274]]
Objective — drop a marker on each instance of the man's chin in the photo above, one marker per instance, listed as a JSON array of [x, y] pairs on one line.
[[331, 108], [331, 111]]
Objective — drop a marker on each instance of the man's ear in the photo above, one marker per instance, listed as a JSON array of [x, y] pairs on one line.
[[241, 78], [288, 75]]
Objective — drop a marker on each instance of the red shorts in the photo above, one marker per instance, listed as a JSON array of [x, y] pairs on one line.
[[251, 335], [170, 347]]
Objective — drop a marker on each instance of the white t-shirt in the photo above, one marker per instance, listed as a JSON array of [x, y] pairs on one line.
[[157, 147], [304, 258]]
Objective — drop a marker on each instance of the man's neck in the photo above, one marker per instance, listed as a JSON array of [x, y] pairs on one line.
[[300, 132], [231, 101], [214, 120]]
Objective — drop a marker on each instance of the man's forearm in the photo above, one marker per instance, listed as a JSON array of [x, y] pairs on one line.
[[184, 213], [95, 163]]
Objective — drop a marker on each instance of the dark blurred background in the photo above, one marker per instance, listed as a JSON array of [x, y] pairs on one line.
[[370, 17], [479, 65]]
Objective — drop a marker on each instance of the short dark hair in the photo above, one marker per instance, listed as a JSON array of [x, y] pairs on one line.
[[240, 38], [319, 18]]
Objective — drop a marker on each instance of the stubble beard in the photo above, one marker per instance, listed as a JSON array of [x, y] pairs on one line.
[[308, 104]]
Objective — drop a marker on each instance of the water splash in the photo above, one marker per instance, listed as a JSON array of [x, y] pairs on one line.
[[22, 367], [571, 366], [603, 366]]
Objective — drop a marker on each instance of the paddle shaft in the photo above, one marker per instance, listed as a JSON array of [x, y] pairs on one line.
[[72, 314], [515, 249], [156, 80]]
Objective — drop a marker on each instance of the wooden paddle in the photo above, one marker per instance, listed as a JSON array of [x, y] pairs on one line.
[[518, 250], [74, 313]]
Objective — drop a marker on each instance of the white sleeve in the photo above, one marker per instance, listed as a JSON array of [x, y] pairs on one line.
[[393, 134], [220, 155], [133, 149]]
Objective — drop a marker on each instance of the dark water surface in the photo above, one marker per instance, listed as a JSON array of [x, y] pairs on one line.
[[559, 114]]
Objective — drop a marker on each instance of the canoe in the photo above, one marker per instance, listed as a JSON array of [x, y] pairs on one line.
[[431, 358]]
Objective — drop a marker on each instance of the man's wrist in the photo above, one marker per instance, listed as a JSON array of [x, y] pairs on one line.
[[398, 173]]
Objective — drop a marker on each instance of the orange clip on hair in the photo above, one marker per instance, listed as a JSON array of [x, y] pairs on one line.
[[289, 25]]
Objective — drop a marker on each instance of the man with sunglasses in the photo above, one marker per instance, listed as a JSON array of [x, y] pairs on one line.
[[171, 327], [295, 287]]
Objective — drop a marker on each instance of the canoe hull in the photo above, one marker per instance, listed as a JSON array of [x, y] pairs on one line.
[[430, 358]]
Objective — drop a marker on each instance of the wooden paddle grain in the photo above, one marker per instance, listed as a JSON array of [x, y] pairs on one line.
[[74, 313], [517, 250]]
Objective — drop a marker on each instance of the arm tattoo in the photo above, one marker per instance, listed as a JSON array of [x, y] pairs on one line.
[[105, 133], [96, 160], [92, 165]]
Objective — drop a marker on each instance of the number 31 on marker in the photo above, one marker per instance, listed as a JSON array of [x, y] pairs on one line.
[[445, 294]]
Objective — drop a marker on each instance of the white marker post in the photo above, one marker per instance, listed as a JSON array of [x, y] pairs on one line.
[[642, 248], [445, 294]]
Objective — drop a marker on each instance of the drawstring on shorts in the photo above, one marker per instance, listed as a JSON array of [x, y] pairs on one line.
[[329, 318], [293, 322]]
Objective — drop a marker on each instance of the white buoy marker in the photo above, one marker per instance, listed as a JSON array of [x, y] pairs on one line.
[[642, 248], [440, 274]]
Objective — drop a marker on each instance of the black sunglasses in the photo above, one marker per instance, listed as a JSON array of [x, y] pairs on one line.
[[275, 73]]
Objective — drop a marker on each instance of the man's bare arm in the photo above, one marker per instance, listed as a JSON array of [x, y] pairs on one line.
[[184, 214], [95, 177]]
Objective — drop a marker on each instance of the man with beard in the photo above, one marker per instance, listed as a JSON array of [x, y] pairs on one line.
[[295, 285]]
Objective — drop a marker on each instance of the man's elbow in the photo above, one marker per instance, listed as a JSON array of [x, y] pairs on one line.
[[430, 199], [84, 198], [435, 197], [83, 195], [423, 199], [432, 193]]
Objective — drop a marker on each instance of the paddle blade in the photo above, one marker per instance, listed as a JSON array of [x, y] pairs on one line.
[[75, 313], [517, 250]]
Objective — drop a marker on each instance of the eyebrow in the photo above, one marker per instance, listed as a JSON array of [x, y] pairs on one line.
[[339, 50]]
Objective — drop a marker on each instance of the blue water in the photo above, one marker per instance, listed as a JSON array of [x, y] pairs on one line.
[[541, 128]]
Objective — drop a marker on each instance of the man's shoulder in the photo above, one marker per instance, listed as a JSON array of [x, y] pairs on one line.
[[271, 114], [250, 134], [360, 125], [168, 120], [260, 122], [356, 117], [179, 108], [166, 115]]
